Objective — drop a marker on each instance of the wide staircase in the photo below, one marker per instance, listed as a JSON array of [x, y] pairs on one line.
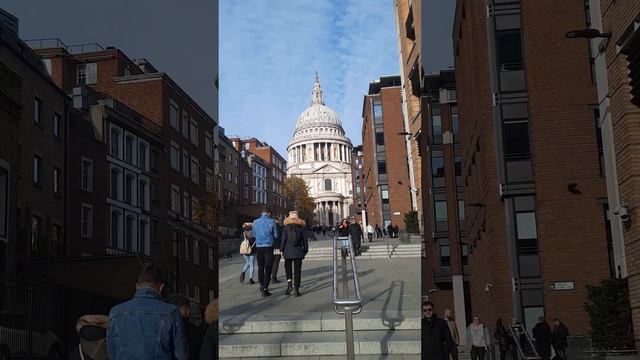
[[370, 251]]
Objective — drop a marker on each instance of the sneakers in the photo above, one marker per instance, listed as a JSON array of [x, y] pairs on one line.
[[298, 292], [251, 282], [289, 288], [241, 278]]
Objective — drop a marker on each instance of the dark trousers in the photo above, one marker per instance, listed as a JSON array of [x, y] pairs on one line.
[[276, 264], [454, 352], [297, 267], [265, 262], [477, 353], [370, 236]]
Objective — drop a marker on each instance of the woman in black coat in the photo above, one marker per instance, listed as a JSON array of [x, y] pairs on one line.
[[343, 229], [542, 335], [294, 246], [560, 335]]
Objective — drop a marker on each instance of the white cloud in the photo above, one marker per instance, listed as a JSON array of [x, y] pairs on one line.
[[269, 51]]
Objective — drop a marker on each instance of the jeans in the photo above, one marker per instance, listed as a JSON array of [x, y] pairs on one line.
[[276, 264], [265, 263], [297, 265], [477, 353], [370, 236], [249, 261]]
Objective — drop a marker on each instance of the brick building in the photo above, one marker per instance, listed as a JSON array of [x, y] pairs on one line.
[[229, 178], [187, 139], [408, 18], [385, 168], [615, 52], [534, 191], [359, 189], [445, 276]]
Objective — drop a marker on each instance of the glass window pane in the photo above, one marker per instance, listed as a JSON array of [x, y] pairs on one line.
[[379, 138], [526, 225], [508, 22], [512, 80], [516, 138], [519, 171], [441, 210], [437, 166], [509, 45], [515, 111], [524, 203], [531, 316], [529, 265]]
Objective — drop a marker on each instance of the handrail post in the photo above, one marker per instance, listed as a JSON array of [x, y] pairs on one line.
[[388, 252], [345, 281], [348, 324]]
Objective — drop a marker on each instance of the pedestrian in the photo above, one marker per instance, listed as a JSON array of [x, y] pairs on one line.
[[249, 253], [265, 232], [355, 231], [378, 232], [455, 335], [209, 349], [370, 232], [276, 253], [503, 339], [92, 331], [390, 230], [543, 336], [477, 339], [145, 327], [191, 332], [436, 337], [560, 335], [396, 230], [343, 230], [294, 247]]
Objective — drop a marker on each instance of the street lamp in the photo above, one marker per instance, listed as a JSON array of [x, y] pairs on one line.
[[586, 34]]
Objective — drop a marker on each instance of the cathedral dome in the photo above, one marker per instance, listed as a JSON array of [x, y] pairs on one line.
[[318, 114]]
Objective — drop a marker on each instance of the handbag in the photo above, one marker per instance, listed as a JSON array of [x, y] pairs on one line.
[[245, 247]]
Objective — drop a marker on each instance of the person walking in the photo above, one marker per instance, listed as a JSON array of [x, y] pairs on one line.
[[209, 349], [343, 229], [355, 231], [250, 256], [378, 231], [559, 338], [191, 332], [455, 335], [276, 254], [294, 246], [436, 337], [370, 232], [265, 232], [92, 332], [478, 339], [503, 339], [543, 336], [390, 230], [396, 230], [146, 327]]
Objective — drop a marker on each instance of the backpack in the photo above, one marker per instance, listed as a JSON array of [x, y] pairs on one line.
[[245, 247]]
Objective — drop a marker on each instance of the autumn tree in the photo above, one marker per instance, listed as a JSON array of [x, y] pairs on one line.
[[296, 192]]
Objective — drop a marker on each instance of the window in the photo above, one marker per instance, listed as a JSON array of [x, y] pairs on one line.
[[384, 194], [529, 265], [382, 167], [437, 165], [235, 179], [208, 144], [86, 182], [379, 139], [174, 115], [37, 163], [175, 199], [445, 255], [87, 74], [441, 215], [436, 125], [4, 202], [129, 234], [143, 242], [86, 221], [55, 241], [129, 189], [37, 110], [461, 213], [246, 192], [115, 175], [327, 185], [509, 46], [195, 170], [185, 124], [516, 138], [457, 162], [196, 252], [210, 258], [195, 208], [185, 163], [56, 125], [36, 228], [142, 156], [455, 122], [115, 229], [142, 194], [185, 206], [128, 149], [246, 178], [519, 171], [175, 156], [56, 181], [187, 248], [209, 179], [377, 112], [115, 143], [526, 230], [194, 132]]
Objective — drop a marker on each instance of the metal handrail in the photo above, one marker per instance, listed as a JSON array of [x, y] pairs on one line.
[[516, 331], [351, 305]]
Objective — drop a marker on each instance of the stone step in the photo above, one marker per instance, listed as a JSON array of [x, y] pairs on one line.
[[363, 256], [317, 321], [332, 357], [303, 344]]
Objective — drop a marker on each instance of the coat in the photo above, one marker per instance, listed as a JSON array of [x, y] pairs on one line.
[[542, 334], [436, 339], [355, 231], [560, 334], [294, 243], [209, 348], [343, 231], [276, 241]]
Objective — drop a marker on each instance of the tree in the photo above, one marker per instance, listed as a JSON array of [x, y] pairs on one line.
[[296, 192], [609, 313], [411, 222]]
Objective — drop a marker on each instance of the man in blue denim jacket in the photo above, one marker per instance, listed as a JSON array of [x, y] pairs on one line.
[[265, 231], [145, 327]]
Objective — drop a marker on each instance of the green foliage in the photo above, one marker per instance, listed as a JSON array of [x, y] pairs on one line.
[[411, 222], [296, 192], [609, 313]]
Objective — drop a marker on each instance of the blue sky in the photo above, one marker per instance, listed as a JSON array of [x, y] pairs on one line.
[[269, 51]]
